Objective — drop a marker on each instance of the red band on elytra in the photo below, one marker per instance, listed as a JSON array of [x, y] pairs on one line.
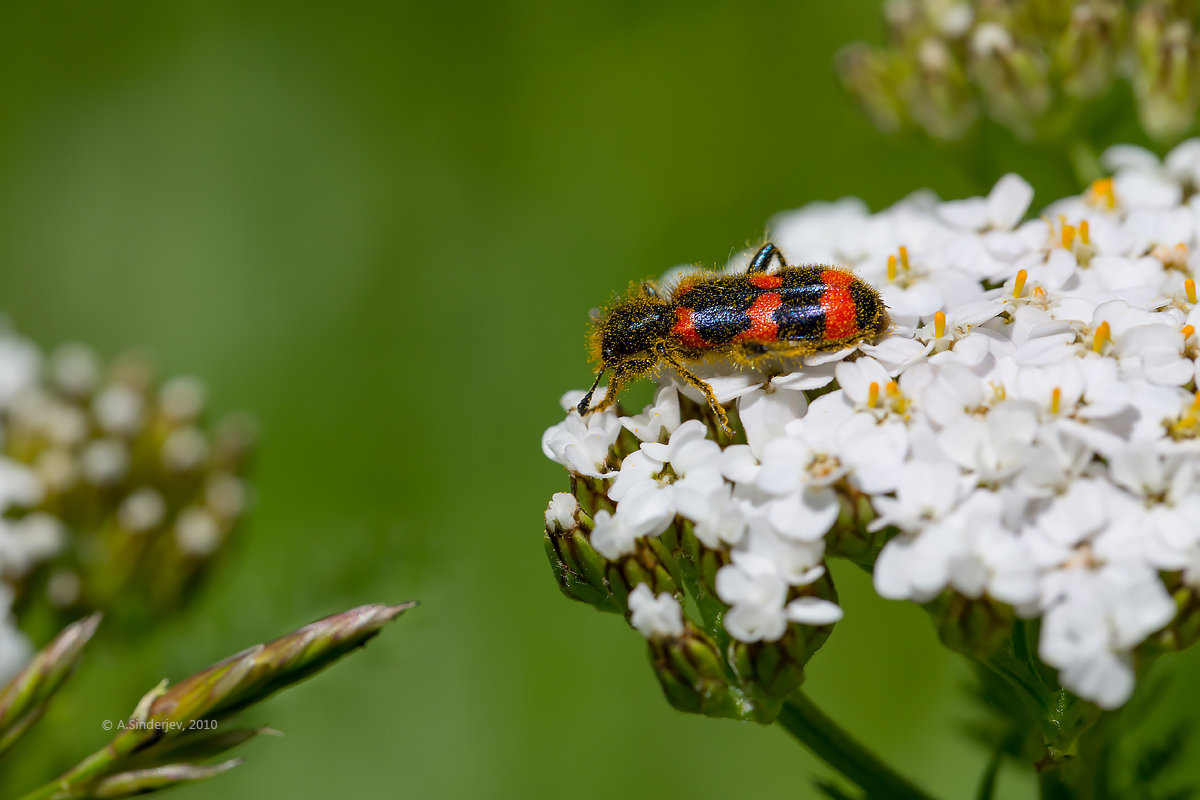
[[685, 328], [766, 281], [840, 312], [763, 327]]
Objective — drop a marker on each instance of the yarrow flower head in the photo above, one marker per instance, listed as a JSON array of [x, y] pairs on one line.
[[1023, 446], [116, 495], [1029, 66]]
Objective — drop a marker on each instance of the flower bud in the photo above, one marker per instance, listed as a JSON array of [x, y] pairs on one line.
[[770, 671], [578, 568], [872, 78], [937, 93], [1012, 77], [974, 626], [1083, 53], [693, 675], [1166, 65]]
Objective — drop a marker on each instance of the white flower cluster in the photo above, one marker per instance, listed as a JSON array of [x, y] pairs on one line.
[[25, 542], [1029, 430], [86, 451]]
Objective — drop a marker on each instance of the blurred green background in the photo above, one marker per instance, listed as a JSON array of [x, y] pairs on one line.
[[379, 227]]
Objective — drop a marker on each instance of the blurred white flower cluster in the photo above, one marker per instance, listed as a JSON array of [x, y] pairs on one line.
[[1037, 67], [1028, 436], [112, 492]]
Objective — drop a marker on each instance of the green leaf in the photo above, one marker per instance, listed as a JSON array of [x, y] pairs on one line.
[[128, 784]]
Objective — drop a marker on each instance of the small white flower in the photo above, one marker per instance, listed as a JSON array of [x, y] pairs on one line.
[[20, 364], [1002, 209], [182, 399], [560, 513], [655, 617], [925, 492], [994, 447], [119, 410], [196, 532], [18, 485], [75, 369], [718, 520], [581, 445], [757, 593], [813, 611], [1156, 353], [797, 562], [661, 417], [185, 449], [142, 510], [105, 461]]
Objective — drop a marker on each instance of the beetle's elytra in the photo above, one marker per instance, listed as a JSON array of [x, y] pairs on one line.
[[794, 311]]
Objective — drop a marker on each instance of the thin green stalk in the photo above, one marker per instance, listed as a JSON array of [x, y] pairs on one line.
[[1052, 787], [987, 784], [828, 742]]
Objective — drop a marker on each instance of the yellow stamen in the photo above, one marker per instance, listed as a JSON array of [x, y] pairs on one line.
[[1039, 292], [1188, 418], [873, 395], [939, 324], [1188, 330], [1101, 193], [904, 257], [1068, 236], [891, 268], [1085, 235], [1055, 400], [1189, 288], [1019, 286], [892, 389], [1103, 332]]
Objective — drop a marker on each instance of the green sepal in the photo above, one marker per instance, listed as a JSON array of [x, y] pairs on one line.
[[693, 677], [974, 627], [585, 580]]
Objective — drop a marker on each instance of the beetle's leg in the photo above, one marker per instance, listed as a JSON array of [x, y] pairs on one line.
[[701, 387], [750, 353], [649, 290], [789, 350], [626, 372], [587, 398], [762, 259]]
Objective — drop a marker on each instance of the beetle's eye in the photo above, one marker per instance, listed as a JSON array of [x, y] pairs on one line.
[[649, 290]]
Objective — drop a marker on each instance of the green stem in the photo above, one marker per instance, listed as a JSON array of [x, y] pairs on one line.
[[67, 785], [1052, 787], [828, 742], [51, 791]]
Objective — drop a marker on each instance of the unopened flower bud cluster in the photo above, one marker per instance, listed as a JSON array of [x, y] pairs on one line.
[[1026, 439], [114, 490], [1029, 65]]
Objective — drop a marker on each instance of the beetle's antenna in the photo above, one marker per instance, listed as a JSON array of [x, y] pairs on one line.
[[587, 398]]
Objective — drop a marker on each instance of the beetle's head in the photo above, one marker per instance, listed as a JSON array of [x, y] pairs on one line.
[[628, 330], [632, 328]]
